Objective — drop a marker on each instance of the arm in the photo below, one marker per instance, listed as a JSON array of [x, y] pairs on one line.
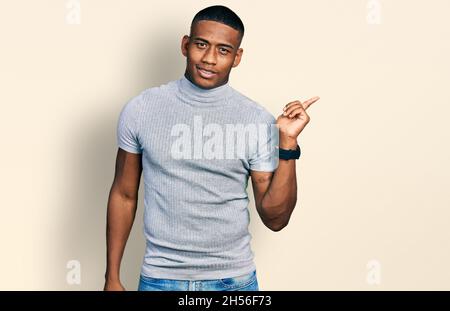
[[276, 193], [122, 204]]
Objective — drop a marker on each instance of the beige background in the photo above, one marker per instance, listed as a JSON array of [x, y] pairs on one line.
[[375, 166]]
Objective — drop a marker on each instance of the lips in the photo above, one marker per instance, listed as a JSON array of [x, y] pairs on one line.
[[205, 73]]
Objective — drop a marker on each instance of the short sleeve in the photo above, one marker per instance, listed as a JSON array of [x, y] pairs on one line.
[[128, 126], [265, 158]]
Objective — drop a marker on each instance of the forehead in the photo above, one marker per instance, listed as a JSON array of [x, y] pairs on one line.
[[215, 32]]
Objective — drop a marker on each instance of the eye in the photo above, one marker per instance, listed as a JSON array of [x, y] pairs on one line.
[[200, 43], [224, 51]]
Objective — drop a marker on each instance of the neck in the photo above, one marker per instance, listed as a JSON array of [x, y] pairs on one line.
[[197, 96]]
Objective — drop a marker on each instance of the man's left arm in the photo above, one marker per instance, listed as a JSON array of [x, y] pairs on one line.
[[276, 192]]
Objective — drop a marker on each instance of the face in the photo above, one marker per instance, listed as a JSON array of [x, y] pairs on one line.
[[211, 51]]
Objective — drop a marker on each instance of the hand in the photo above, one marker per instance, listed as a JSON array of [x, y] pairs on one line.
[[113, 286], [294, 118]]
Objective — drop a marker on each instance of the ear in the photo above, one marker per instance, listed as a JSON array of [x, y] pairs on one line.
[[185, 44], [237, 57]]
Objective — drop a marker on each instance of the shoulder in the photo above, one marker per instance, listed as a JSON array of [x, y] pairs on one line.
[[160, 90], [148, 96], [260, 113]]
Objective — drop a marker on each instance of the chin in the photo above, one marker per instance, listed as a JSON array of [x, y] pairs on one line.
[[205, 83]]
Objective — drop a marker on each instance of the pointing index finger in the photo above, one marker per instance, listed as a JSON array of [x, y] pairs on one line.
[[310, 101]]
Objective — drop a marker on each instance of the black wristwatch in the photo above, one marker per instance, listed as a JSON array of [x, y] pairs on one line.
[[288, 154]]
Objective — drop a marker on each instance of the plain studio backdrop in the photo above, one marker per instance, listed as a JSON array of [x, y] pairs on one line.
[[372, 211]]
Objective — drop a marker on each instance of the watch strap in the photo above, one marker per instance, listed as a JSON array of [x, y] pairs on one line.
[[288, 154]]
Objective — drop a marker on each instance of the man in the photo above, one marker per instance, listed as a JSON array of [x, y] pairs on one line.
[[196, 216]]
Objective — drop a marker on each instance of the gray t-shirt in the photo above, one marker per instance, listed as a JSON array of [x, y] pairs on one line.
[[196, 203]]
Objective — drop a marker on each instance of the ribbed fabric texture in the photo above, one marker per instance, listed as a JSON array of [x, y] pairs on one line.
[[196, 209]]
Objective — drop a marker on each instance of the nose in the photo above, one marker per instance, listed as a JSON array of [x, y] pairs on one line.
[[209, 56]]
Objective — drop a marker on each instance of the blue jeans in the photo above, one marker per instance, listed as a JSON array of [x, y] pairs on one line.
[[246, 282]]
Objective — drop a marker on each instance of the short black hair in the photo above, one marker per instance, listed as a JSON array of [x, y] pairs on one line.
[[221, 14]]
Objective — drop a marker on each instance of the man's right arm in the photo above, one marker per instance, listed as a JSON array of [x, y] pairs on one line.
[[121, 211]]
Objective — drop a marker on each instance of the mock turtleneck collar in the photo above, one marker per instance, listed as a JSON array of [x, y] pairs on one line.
[[199, 97]]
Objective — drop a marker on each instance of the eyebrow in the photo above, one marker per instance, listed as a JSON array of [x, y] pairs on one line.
[[221, 44]]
